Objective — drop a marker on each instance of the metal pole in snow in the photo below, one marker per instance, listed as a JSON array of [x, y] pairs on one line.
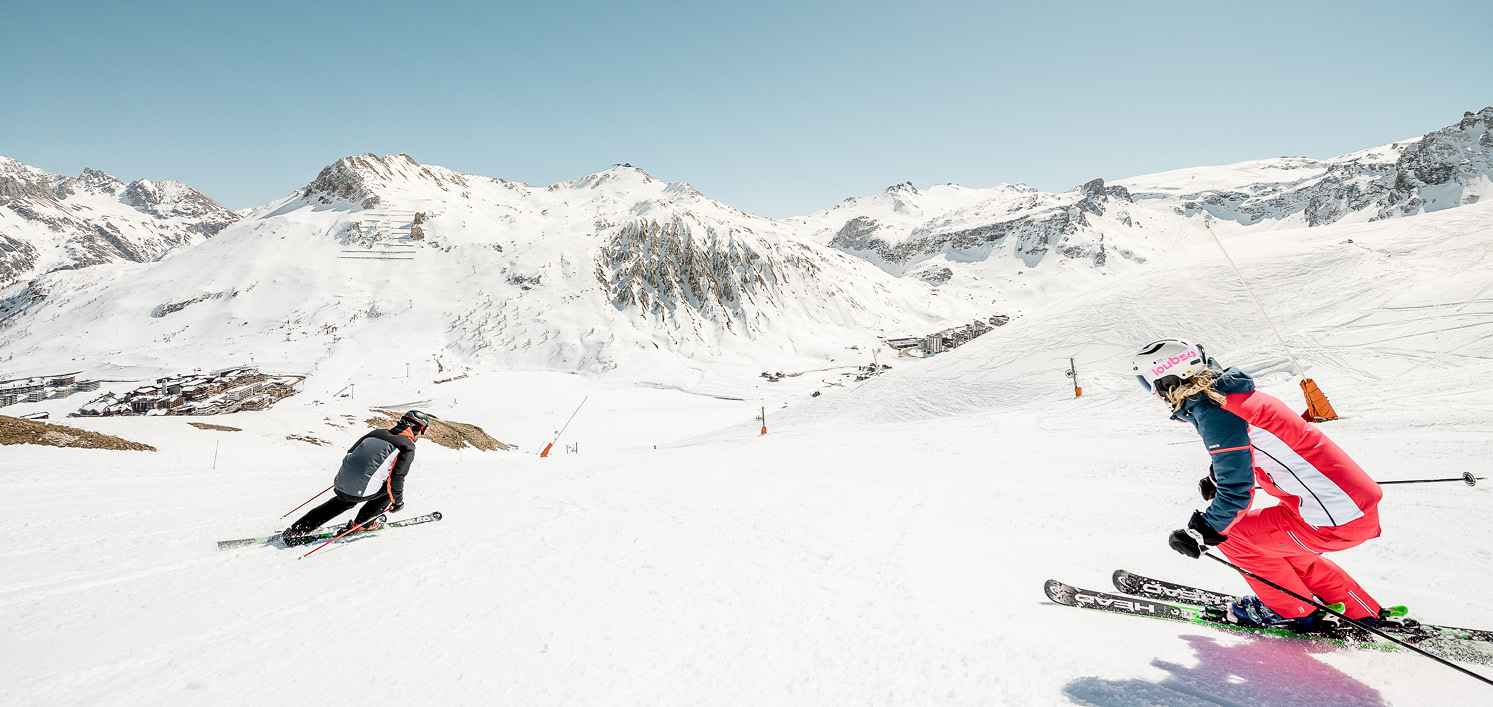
[[547, 447], [1299, 370], [216, 444]]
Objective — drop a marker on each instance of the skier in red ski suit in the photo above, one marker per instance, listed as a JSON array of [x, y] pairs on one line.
[[1327, 502]]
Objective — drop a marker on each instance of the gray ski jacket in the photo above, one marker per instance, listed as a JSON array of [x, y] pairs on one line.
[[377, 463]]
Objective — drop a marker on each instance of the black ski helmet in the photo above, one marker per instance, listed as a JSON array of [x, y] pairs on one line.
[[417, 420]]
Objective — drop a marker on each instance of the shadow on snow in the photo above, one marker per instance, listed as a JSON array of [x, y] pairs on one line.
[[1256, 672]]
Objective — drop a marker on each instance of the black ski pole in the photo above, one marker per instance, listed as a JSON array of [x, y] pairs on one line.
[[1319, 605], [1466, 478]]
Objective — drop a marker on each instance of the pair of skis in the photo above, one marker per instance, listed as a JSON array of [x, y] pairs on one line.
[[325, 533], [1145, 596]]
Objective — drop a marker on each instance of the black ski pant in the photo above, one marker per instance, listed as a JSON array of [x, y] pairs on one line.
[[336, 506]]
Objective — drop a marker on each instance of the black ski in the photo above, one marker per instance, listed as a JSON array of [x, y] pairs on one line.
[[1069, 595], [1142, 586], [324, 533]]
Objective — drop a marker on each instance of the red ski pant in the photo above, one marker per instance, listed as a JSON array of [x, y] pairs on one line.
[[1278, 545]]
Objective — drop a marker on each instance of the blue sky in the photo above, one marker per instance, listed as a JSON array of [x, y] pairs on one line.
[[776, 108]]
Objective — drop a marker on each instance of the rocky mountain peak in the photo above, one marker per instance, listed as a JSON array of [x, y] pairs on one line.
[[619, 175], [100, 181], [22, 181], [66, 223], [368, 179]]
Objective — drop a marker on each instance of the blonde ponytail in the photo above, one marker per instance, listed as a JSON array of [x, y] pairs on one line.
[[1200, 383]]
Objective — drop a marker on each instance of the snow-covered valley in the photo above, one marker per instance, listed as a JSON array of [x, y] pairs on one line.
[[884, 542]]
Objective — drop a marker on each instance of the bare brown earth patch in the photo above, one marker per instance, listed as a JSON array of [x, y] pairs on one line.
[[17, 431], [220, 428], [454, 435], [308, 439]]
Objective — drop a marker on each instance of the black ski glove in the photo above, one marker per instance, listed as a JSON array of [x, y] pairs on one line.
[[1196, 538], [1208, 485], [397, 507]]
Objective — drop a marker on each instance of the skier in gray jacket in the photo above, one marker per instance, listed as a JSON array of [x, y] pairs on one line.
[[373, 470]]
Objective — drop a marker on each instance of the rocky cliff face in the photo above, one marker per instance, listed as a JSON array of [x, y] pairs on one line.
[[358, 179], [51, 222], [1443, 169], [697, 276], [1032, 226]]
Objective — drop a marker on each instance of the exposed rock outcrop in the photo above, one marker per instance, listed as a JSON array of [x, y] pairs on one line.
[[51, 222]]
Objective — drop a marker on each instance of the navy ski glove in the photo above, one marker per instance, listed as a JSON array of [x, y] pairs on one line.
[[1208, 485], [1196, 538]]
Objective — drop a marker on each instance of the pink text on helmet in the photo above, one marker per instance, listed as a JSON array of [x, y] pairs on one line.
[[1159, 371]]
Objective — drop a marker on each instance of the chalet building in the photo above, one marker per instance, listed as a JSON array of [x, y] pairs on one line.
[[255, 403], [24, 386], [7, 398]]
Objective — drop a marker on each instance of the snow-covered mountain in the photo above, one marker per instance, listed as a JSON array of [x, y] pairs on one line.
[[1445, 168], [983, 237], [51, 222], [1009, 228], [382, 260]]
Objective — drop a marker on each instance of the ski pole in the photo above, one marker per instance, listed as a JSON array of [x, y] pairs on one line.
[[1376, 631], [355, 527], [1466, 478], [303, 505], [547, 447]]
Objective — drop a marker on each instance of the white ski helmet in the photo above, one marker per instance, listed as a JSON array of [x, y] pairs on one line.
[[1168, 358]]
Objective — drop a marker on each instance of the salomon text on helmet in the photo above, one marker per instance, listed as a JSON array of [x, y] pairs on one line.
[[1168, 358]]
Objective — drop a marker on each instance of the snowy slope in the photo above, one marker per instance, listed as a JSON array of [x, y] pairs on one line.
[[880, 545], [50, 222], [383, 262], [1375, 312]]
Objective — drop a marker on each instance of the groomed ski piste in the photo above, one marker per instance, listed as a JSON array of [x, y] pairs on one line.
[[881, 544]]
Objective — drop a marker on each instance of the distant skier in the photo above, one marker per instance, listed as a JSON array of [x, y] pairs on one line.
[[373, 470], [1327, 503]]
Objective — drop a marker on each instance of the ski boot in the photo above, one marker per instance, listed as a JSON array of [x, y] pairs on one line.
[[1250, 612], [1394, 618], [352, 525]]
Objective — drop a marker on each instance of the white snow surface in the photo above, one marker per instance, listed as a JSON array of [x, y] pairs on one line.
[[881, 544]]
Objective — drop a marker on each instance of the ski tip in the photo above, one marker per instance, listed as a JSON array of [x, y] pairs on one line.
[[1122, 579], [1059, 592]]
